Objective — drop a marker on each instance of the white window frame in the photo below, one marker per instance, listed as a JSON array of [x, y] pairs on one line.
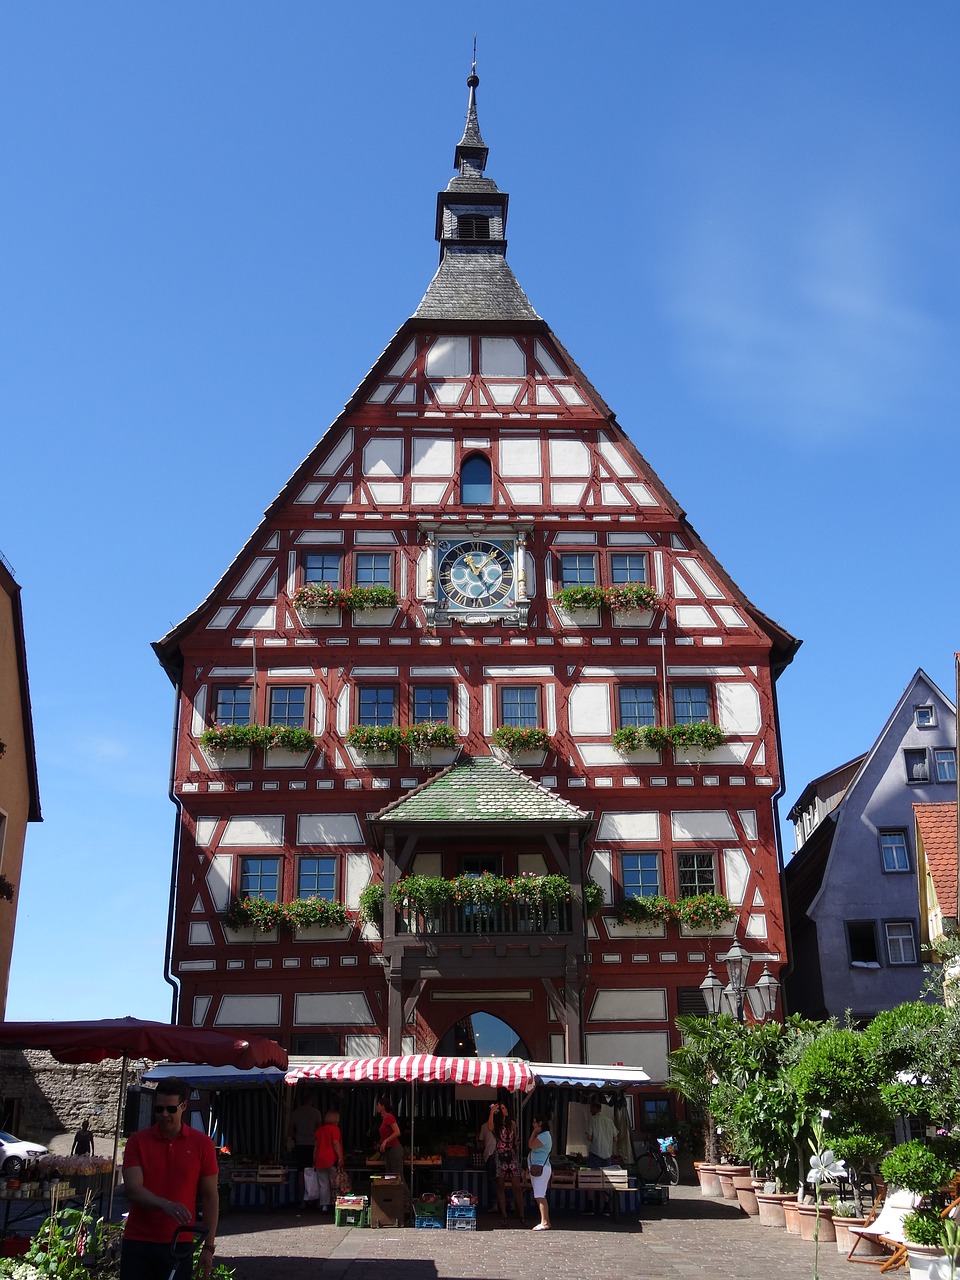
[[894, 942], [922, 720], [948, 757], [886, 835]]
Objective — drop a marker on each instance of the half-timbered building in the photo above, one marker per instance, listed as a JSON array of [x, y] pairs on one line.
[[473, 474]]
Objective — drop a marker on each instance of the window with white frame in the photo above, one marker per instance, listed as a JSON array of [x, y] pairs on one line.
[[901, 944], [915, 764], [640, 874], [946, 762], [260, 878], [696, 873], [924, 717], [893, 849]]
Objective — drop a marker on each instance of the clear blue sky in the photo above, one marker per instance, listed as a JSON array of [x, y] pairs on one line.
[[741, 218]]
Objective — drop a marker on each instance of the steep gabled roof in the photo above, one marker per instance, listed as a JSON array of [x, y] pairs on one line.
[[481, 789], [937, 824]]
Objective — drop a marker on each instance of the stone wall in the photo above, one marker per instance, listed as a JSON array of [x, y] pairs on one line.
[[55, 1097]]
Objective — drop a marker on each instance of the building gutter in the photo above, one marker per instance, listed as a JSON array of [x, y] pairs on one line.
[[175, 868]]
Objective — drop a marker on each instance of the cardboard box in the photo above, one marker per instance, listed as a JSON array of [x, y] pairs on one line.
[[387, 1202]]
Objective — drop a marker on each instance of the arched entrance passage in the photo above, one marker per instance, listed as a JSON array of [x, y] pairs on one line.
[[481, 1035]]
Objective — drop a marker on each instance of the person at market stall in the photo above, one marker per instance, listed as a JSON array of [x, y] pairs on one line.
[[488, 1153], [389, 1139], [164, 1168], [601, 1135], [83, 1141], [327, 1156], [305, 1119], [504, 1130], [539, 1146]]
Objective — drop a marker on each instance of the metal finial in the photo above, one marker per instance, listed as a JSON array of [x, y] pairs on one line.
[[473, 79]]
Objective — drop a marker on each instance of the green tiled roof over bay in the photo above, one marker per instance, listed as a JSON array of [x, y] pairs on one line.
[[481, 789]]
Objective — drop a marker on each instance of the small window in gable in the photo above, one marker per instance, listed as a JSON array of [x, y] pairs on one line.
[[476, 481], [473, 226], [925, 717]]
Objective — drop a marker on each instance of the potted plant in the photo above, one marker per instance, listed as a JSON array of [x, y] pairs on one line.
[[655, 907], [845, 1216], [376, 743], [630, 597], [223, 738], [521, 744], [633, 740], [577, 599], [319, 603], [432, 741], [372, 898], [926, 1234], [705, 911], [702, 737]]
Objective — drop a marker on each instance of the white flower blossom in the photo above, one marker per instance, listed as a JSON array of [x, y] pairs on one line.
[[824, 1115], [825, 1167]]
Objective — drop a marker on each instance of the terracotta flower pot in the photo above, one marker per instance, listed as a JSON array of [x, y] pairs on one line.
[[844, 1238], [808, 1223], [791, 1215], [726, 1174], [709, 1181], [746, 1192], [770, 1206]]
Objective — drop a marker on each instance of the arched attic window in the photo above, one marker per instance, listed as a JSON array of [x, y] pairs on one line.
[[476, 481]]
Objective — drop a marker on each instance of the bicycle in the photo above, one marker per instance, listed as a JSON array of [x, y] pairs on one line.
[[658, 1162]]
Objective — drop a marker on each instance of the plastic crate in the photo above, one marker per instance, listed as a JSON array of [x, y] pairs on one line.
[[455, 1223], [461, 1211], [429, 1224], [436, 1209], [356, 1217]]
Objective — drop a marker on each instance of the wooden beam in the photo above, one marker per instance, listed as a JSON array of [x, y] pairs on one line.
[[410, 1006]]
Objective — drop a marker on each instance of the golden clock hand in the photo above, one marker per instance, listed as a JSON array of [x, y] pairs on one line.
[[469, 560]]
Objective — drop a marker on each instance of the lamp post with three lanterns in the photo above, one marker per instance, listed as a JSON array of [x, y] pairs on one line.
[[738, 994]]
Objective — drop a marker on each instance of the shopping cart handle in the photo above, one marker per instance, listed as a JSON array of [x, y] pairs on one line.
[[181, 1248]]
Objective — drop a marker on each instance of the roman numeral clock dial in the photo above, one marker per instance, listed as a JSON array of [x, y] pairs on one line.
[[475, 576]]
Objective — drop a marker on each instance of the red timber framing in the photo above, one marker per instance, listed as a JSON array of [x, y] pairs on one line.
[[474, 472]]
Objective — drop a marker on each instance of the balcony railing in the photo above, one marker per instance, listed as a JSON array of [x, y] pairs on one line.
[[468, 918]]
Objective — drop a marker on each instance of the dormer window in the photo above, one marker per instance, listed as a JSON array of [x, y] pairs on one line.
[[473, 226]]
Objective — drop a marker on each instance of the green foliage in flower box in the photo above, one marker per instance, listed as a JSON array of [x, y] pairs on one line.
[[239, 737], [705, 910], [579, 597], [702, 737], [514, 739], [367, 738], [300, 913], [372, 898], [327, 595], [632, 738], [641, 910], [430, 734], [430, 894], [623, 596]]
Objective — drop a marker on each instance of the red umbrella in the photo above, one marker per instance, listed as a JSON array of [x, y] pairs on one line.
[[135, 1038]]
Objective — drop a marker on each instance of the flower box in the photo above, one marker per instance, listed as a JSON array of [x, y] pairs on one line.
[[283, 758], [531, 759], [578, 617], [311, 617], [374, 617], [249, 934], [633, 617], [219, 759], [322, 933]]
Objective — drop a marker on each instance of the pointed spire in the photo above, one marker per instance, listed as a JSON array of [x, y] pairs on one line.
[[471, 153]]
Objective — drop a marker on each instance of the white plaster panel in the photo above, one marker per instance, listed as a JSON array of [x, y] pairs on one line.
[[487, 710], [328, 829], [375, 538], [432, 456], [730, 753], [550, 697], [253, 832], [611, 495], [547, 363], [501, 392], [463, 709], [694, 615], [514, 673], [557, 1050], [530, 573], [337, 456], [702, 824], [205, 831], [222, 619], [630, 540], [309, 494], [567, 495], [381, 393], [615, 459], [629, 826], [730, 616], [447, 392], [198, 907], [760, 756], [260, 617], [756, 925], [198, 721], [600, 869], [431, 673], [356, 875], [738, 707], [544, 395], [201, 1005], [404, 360], [191, 965], [502, 358], [682, 589], [588, 709], [363, 1046], [645, 1049], [525, 494], [449, 357], [520, 456], [277, 673], [748, 820], [578, 539], [605, 753], [531, 864], [269, 589], [383, 456], [386, 494], [569, 457], [570, 395], [642, 495], [332, 1008], [407, 394], [705, 583], [343, 710], [251, 577], [426, 493], [248, 1011], [758, 899], [629, 1004], [339, 493], [200, 934], [319, 537], [736, 874]]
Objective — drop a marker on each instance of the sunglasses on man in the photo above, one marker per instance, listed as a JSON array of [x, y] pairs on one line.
[[170, 1111]]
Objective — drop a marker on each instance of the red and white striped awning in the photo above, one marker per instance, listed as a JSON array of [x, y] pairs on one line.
[[495, 1073]]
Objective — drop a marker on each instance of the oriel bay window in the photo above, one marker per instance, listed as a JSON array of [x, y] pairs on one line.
[[691, 703], [376, 704], [260, 878], [430, 702], [637, 705], [520, 706], [233, 705], [288, 706], [696, 873], [317, 878], [640, 874]]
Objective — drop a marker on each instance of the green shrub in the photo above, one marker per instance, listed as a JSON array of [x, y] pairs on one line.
[[916, 1167]]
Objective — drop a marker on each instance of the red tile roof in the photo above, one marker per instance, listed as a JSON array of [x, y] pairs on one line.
[[937, 824]]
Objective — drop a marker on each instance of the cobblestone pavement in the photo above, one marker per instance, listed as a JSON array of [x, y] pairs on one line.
[[690, 1236]]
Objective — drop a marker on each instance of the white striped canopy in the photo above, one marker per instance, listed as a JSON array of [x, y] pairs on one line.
[[495, 1073]]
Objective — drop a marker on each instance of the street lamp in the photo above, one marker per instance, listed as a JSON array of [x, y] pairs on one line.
[[734, 996]]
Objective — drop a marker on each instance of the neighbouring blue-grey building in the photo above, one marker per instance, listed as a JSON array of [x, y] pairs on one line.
[[851, 886]]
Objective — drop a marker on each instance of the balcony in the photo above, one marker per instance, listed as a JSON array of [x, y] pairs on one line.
[[469, 919]]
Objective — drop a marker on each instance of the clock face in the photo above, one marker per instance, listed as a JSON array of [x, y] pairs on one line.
[[476, 575]]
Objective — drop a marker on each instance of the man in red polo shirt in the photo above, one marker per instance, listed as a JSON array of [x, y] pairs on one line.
[[164, 1167]]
